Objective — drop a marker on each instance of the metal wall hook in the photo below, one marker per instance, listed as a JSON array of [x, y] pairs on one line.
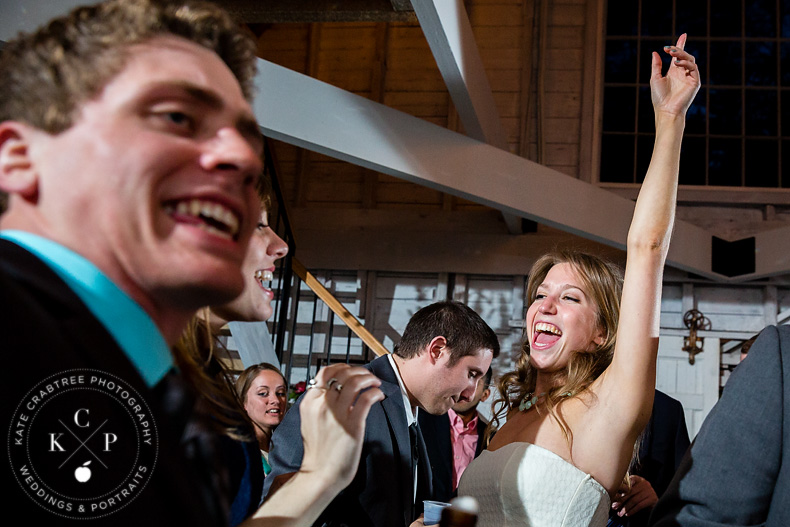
[[695, 321]]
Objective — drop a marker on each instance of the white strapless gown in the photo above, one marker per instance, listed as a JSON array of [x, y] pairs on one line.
[[522, 484]]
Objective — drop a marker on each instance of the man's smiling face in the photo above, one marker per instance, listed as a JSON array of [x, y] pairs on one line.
[[456, 383], [154, 181]]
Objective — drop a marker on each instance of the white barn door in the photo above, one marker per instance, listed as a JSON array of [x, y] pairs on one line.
[[695, 386]]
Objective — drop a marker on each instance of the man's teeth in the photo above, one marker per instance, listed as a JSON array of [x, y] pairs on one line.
[[216, 218], [547, 328], [263, 276]]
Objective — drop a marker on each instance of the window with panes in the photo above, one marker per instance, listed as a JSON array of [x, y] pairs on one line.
[[738, 128]]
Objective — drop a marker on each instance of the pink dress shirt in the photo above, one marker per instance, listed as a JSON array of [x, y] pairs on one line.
[[464, 440]]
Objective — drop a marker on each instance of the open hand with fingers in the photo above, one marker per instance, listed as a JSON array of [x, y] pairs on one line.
[[334, 411], [674, 92]]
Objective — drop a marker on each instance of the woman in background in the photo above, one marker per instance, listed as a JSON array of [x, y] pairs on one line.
[[263, 392]]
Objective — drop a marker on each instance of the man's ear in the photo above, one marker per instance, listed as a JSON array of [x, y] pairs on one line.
[[486, 394], [436, 348], [17, 171]]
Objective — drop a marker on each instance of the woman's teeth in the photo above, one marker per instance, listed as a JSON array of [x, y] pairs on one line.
[[547, 328]]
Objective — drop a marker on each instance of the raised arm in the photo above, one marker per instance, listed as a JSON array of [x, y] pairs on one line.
[[333, 428], [628, 383]]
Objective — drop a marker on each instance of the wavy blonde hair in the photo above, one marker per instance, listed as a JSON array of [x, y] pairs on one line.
[[602, 282]]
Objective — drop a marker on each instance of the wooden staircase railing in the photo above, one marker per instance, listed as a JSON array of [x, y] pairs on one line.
[[339, 309]]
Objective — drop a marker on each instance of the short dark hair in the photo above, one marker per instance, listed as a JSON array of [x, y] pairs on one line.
[[489, 374], [465, 331]]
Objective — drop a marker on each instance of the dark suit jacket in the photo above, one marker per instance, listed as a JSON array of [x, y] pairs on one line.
[[737, 472], [381, 493], [665, 440], [46, 329], [436, 431]]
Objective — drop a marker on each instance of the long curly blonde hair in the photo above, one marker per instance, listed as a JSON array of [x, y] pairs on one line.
[[601, 281]]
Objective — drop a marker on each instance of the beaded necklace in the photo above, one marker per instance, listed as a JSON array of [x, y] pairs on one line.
[[531, 399]]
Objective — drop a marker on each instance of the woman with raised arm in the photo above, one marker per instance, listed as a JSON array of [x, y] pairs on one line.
[[583, 390]]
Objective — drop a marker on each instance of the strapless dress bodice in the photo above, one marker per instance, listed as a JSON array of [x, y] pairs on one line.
[[521, 484]]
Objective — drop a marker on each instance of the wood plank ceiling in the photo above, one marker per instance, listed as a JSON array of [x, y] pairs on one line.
[[541, 63], [380, 51]]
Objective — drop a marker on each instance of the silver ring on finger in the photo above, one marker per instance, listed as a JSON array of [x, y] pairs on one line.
[[338, 387], [330, 382], [312, 383]]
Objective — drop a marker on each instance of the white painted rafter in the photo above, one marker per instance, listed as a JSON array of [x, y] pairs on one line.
[[446, 27], [308, 113]]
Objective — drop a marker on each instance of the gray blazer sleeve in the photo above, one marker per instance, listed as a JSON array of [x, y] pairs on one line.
[[733, 474]]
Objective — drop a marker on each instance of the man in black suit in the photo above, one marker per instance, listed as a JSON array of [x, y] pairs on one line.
[[454, 439], [129, 154], [737, 472], [445, 350]]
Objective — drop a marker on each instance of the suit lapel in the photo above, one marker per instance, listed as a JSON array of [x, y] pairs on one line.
[[396, 416]]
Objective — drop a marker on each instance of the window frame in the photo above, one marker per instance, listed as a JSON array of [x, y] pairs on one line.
[[592, 125]]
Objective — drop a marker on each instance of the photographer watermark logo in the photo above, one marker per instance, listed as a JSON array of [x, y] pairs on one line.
[[82, 444]]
